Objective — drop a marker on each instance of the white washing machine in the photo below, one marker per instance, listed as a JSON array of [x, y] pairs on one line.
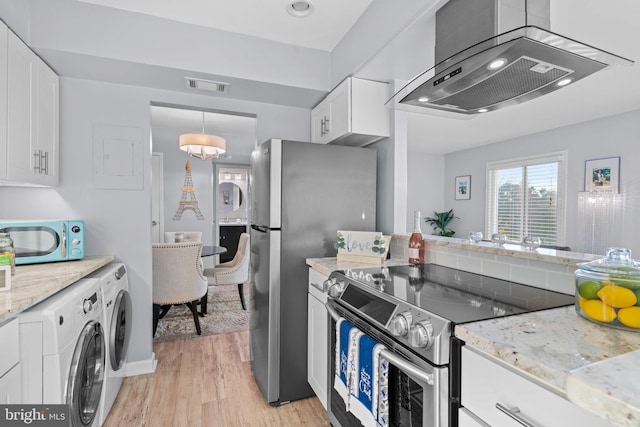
[[117, 318], [62, 352]]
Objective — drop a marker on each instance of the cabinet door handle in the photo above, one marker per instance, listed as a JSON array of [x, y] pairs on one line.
[[46, 163], [327, 128], [322, 127], [37, 161], [515, 414]]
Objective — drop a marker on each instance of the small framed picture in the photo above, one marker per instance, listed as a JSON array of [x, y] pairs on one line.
[[602, 174], [463, 187]]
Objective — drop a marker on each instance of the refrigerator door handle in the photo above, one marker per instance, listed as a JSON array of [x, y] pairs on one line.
[[259, 228]]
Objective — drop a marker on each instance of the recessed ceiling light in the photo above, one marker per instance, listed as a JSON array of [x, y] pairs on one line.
[[564, 82], [423, 99], [482, 110], [497, 63], [300, 8]]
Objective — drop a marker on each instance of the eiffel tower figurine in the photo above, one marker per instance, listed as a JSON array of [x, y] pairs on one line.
[[188, 201]]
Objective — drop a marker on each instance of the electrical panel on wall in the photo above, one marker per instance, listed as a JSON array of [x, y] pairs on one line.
[[117, 157]]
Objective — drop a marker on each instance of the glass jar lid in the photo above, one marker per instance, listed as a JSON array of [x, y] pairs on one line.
[[617, 260]]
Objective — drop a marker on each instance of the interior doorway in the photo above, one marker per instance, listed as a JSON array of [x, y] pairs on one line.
[[168, 122], [232, 206]]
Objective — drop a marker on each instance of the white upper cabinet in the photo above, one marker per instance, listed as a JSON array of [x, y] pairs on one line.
[[3, 97], [352, 114], [32, 135]]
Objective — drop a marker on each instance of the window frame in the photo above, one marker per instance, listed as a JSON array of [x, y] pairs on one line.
[[491, 209]]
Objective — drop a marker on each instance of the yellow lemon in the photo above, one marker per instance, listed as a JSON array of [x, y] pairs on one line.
[[617, 296], [581, 302], [607, 283], [589, 289], [599, 311], [630, 316]]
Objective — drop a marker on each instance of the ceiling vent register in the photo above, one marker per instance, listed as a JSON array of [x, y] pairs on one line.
[[206, 85]]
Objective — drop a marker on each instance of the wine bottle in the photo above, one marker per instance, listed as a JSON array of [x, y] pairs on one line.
[[416, 242]]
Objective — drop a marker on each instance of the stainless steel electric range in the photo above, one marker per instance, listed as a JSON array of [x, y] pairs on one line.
[[413, 311]]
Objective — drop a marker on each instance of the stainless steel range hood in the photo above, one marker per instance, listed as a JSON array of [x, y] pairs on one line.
[[524, 61]]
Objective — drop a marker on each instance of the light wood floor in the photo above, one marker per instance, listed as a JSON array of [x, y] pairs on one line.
[[205, 382]]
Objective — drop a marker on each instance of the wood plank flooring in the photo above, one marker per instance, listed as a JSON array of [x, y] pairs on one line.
[[205, 381]]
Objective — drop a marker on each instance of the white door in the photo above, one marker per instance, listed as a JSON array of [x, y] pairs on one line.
[[157, 199]]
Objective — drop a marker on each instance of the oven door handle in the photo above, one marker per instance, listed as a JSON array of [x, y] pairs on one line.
[[404, 365]]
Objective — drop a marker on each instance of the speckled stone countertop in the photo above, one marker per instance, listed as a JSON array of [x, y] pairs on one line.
[[327, 265], [508, 249], [33, 283], [578, 359]]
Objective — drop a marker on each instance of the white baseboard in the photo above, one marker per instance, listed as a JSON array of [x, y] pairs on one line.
[[141, 366]]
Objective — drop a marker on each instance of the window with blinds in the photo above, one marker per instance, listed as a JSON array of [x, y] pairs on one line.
[[525, 197]]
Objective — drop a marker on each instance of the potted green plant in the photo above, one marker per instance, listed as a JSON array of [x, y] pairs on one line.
[[440, 221]]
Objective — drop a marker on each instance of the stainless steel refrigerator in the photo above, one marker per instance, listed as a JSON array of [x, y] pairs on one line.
[[301, 194]]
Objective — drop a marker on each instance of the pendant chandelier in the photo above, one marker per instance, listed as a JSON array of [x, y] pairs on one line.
[[202, 145]]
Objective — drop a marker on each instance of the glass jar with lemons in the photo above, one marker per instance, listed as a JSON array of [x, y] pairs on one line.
[[608, 290]]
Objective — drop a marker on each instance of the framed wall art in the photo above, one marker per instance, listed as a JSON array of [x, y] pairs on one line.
[[602, 175], [463, 187]]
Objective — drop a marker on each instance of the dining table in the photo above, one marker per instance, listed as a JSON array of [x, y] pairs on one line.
[[212, 250]]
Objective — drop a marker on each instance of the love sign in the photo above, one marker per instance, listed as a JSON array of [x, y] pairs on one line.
[[362, 246]]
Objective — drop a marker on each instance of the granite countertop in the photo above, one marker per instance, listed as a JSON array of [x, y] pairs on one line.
[[593, 366], [327, 265], [33, 283], [508, 249]]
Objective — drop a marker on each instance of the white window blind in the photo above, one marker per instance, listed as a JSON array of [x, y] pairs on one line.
[[525, 197]]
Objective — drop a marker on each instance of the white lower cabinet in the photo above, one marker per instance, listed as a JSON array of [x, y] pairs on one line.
[[317, 337], [10, 382], [11, 387], [488, 386]]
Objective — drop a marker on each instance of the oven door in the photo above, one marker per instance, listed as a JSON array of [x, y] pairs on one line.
[[418, 391]]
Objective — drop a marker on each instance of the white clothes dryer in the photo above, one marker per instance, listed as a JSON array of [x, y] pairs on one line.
[[62, 352], [117, 318]]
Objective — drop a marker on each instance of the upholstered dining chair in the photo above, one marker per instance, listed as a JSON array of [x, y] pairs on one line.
[[177, 278], [189, 236], [231, 272]]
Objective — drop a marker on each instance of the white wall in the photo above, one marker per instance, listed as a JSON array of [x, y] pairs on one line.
[[425, 190], [608, 137], [118, 221]]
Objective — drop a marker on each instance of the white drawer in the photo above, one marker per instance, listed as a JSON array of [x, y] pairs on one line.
[[486, 384], [9, 337], [467, 419]]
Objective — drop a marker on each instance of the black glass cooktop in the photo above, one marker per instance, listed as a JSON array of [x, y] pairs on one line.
[[456, 295]]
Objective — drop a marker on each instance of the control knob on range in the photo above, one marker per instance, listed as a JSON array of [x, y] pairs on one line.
[[327, 284], [336, 288], [421, 334], [399, 325]]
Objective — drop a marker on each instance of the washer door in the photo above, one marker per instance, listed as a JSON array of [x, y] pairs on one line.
[[84, 387], [120, 330]]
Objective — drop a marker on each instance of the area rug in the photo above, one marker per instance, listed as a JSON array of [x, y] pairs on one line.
[[225, 314]]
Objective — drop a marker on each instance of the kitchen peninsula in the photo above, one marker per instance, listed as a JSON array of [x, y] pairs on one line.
[[569, 359]]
